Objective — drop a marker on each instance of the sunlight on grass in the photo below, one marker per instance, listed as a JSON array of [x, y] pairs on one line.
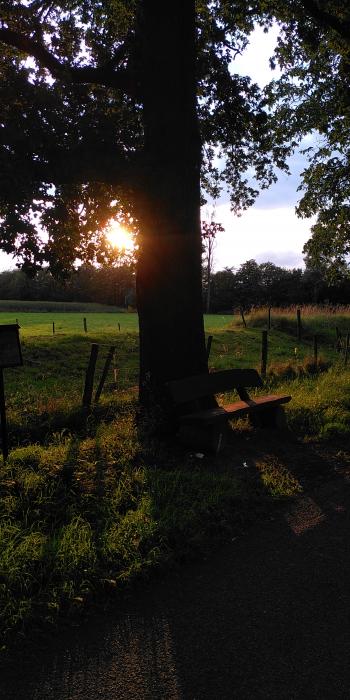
[[276, 478]]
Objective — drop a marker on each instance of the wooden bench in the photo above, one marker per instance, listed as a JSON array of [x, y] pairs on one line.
[[205, 428]]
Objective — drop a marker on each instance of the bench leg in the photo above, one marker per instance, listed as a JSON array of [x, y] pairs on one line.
[[269, 418], [211, 438]]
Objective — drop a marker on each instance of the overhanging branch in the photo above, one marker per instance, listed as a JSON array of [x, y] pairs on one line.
[[104, 75]]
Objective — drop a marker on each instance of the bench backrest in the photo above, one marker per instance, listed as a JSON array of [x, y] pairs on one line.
[[201, 385]]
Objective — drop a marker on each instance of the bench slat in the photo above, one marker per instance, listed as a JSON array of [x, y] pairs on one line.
[[239, 408], [201, 385]]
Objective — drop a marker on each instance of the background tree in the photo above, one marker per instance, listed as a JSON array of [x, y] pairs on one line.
[[223, 290], [115, 285], [210, 229], [266, 284], [249, 285], [104, 285]]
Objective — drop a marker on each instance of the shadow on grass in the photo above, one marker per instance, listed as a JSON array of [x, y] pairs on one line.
[[148, 506], [41, 428]]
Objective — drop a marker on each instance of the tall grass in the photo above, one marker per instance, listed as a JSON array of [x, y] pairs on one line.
[[320, 406], [315, 320]]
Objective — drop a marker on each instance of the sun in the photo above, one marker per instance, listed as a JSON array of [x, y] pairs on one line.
[[119, 237]]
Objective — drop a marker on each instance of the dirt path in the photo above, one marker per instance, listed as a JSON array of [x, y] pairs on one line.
[[266, 617]]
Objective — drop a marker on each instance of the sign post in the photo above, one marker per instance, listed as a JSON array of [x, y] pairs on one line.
[[10, 356]]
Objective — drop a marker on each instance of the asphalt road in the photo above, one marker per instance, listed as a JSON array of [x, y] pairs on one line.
[[265, 617]]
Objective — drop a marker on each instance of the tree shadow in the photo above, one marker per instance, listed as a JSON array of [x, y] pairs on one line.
[[264, 616], [309, 462]]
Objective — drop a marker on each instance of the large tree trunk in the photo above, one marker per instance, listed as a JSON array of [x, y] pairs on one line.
[[172, 343]]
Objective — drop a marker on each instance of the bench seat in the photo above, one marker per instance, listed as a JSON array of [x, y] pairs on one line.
[[236, 409], [206, 427]]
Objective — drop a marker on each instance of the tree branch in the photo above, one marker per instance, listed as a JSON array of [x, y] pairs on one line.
[[104, 75], [121, 52]]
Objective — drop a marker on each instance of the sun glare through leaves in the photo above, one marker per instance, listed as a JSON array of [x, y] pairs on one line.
[[120, 237]]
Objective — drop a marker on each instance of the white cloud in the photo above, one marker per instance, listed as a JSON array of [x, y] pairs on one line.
[[6, 262], [274, 235], [255, 59]]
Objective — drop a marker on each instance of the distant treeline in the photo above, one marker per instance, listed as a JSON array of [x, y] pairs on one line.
[[114, 285], [267, 284], [252, 284]]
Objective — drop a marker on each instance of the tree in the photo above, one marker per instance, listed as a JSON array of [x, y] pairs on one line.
[[312, 96], [273, 279], [224, 290], [210, 229], [249, 285], [110, 117]]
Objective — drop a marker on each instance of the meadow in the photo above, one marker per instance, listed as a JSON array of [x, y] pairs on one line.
[[89, 501]]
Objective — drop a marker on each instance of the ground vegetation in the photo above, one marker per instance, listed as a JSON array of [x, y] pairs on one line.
[[89, 502]]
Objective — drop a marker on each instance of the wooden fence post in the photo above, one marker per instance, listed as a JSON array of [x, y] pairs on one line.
[[346, 349], [90, 373], [263, 353], [209, 342], [4, 435], [118, 326], [107, 364], [339, 339], [298, 324], [269, 319], [85, 326], [243, 319], [315, 351], [53, 327]]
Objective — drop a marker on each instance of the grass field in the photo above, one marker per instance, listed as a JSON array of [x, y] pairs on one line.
[[89, 501], [45, 394]]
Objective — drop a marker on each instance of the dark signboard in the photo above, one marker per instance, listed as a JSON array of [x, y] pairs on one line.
[[10, 348]]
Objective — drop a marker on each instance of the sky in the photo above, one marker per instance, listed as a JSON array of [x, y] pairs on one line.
[[270, 230]]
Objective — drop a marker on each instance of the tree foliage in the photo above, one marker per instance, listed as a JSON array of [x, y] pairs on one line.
[[251, 285], [71, 126], [312, 97], [267, 284], [66, 142], [104, 285], [72, 133]]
